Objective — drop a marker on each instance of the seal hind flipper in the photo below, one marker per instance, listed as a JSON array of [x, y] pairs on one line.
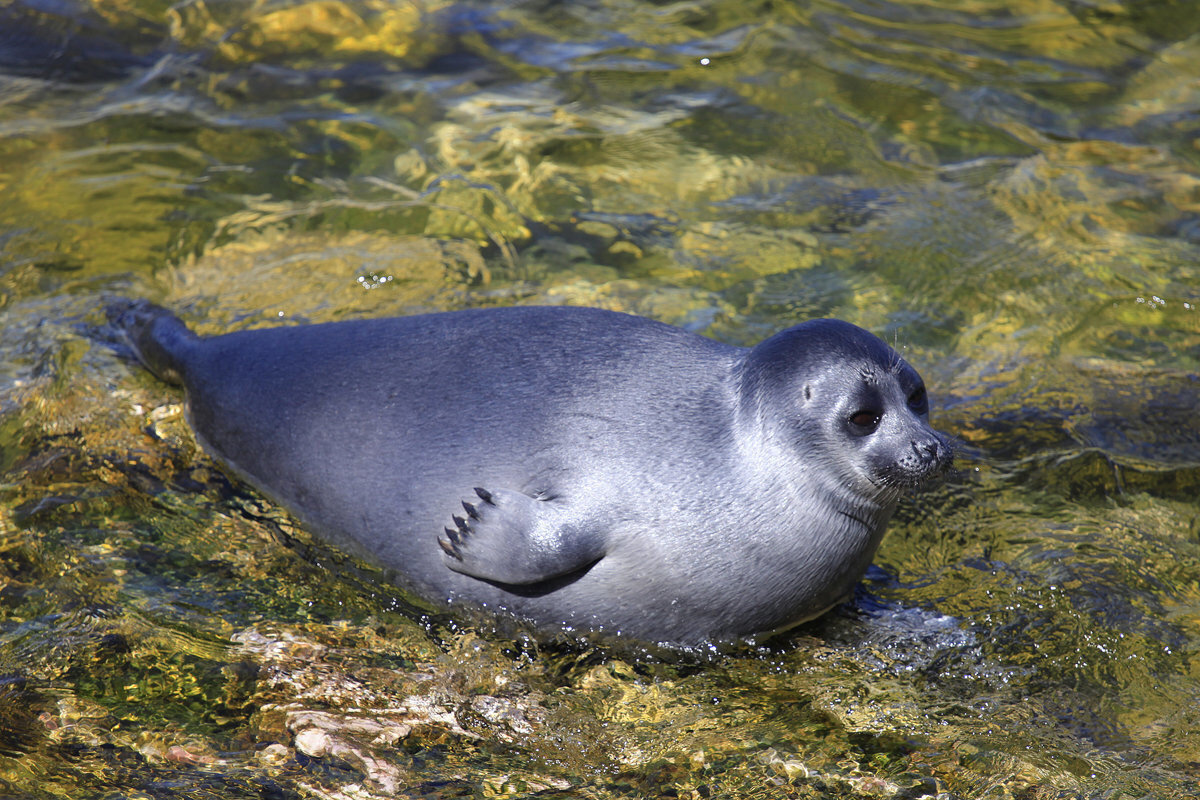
[[514, 539], [157, 337]]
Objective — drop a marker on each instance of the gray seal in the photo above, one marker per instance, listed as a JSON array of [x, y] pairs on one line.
[[581, 469]]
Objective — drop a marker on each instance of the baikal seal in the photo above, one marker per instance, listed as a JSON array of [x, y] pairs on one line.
[[580, 469]]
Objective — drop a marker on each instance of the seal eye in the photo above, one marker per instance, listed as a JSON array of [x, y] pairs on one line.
[[918, 401], [864, 421]]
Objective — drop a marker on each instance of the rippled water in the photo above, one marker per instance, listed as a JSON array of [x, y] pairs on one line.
[[1008, 191]]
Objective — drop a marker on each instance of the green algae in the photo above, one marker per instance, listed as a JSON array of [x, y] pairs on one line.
[[1006, 191]]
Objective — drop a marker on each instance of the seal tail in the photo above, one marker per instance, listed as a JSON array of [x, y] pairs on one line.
[[157, 337]]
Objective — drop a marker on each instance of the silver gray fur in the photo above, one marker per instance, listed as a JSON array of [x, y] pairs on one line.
[[632, 477]]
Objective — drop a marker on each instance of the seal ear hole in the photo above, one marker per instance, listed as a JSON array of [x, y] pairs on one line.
[[807, 392]]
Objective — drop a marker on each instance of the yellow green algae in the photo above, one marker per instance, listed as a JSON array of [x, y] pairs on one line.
[[1006, 191]]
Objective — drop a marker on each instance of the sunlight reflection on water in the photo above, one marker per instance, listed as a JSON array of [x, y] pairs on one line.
[[1006, 191]]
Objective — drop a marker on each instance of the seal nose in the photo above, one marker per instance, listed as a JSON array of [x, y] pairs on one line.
[[931, 452]]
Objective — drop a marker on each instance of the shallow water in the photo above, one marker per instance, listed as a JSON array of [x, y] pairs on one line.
[[1010, 192]]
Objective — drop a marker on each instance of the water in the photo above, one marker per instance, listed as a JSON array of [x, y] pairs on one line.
[[1007, 191]]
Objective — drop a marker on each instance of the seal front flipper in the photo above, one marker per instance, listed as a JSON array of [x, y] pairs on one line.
[[510, 537]]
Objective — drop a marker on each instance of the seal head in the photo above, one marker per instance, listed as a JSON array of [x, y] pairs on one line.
[[839, 395]]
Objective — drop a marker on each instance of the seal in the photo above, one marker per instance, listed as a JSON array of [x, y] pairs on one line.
[[581, 469]]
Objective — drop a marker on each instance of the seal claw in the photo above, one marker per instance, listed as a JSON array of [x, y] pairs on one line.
[[484, 495], [449, 548], [471, 510], [462, 524]]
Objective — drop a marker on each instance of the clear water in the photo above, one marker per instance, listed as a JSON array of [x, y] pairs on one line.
[[1009, 191]]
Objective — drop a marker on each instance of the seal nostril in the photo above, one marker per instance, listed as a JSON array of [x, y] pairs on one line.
[[926, 451]]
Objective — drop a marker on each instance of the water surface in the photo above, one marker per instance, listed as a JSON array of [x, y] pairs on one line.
[[1009, 192]]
